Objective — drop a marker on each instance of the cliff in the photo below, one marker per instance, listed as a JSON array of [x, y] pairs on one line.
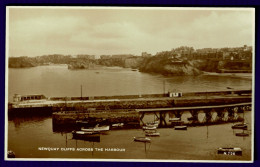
[[82, 64], [21, 62], [167, 65], [223, 65]]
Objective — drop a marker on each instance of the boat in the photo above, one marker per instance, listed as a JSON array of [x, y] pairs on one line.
[[89, 136], [118, 125], [10, 154], [240, 126], [180, 127], [152, 134], [174, 119], [142, 139], [82, 123], [230, 151], [152, 124], [149, 127], [97, 128], [242, 134]]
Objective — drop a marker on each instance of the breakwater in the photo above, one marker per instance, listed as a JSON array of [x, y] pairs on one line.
[[56, 104], [118, 109], [70, 120]]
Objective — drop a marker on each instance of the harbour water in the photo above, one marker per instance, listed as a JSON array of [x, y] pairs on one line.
[[34, 137]]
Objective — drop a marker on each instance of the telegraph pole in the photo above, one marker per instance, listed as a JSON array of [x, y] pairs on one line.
[[81, 92]]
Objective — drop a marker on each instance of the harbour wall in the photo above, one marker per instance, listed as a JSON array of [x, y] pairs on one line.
[[128, 117], [184, 94], [124, 111]]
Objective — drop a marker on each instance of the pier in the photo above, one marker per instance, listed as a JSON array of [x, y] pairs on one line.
[[231, 109], [132, 109]]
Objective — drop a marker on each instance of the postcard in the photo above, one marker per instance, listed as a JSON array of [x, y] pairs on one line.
[[148, 84]]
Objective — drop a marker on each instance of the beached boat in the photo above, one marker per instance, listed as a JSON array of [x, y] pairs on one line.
[[142, 139], [230, 151], [97, 128], [180, 127], [240, 126]]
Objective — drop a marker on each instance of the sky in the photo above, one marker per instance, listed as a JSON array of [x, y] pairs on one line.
[[33, 31]]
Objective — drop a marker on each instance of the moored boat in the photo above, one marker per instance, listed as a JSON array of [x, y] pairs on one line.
[[152, 134], [82, 123], [242, 134], [142, 139], [149, 127], [90, 136], [118, 125], [97, 128], [240, 126], [180, 127], [10, 154], [174, 119]]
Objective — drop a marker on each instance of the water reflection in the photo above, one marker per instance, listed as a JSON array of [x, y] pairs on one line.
[[25, 120]]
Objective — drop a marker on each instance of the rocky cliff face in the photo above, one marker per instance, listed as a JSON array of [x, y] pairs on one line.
[[133, 62], [21, 62], [86, 64], [217, 66], [168, 66]]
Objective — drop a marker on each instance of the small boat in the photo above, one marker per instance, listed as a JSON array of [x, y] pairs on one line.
[[152, 124], [97, 128], [118, 125], [240, 126], [90, 136], [142, 139], [82, 123], [230, 151], [152, 134], [10, 154], [149, 127], [180, 127], [84, 133], [174, 119], [242, 134]]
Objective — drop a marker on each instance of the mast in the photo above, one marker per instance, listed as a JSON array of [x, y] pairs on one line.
[[81, 92]]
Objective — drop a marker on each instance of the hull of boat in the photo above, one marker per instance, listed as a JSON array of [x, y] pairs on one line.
[[88, 136], [96, 129], [152, 134], [142, 139], [180, 127], [149, 127]]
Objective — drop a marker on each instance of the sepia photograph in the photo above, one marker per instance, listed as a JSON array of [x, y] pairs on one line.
[[145, 84]]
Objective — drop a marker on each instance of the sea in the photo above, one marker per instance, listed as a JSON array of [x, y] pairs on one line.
[[34, 138]]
